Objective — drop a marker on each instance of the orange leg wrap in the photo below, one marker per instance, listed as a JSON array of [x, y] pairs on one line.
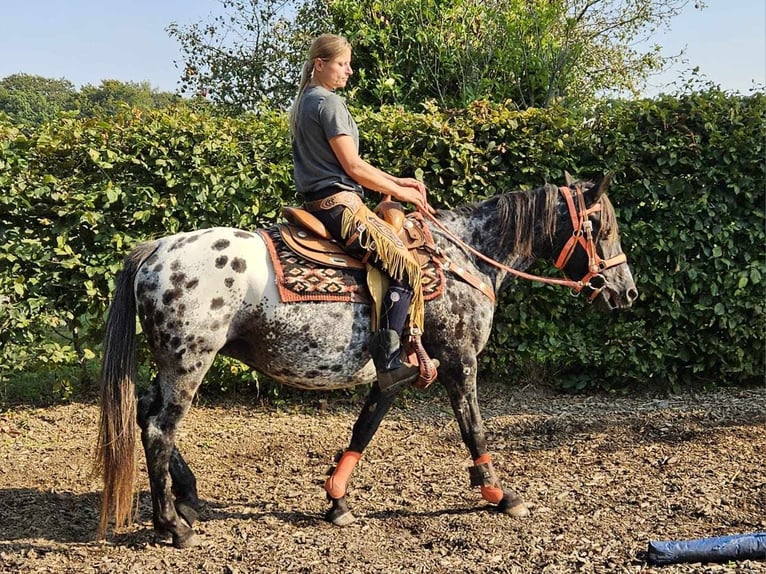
[[483, 459], [337, 483], [493, 493]]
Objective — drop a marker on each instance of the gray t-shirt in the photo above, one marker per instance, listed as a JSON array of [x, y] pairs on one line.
[[322, 116]]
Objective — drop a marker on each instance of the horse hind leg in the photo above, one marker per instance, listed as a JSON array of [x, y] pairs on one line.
[[184, 483], [375, 408], [184, 488], [172, 484]]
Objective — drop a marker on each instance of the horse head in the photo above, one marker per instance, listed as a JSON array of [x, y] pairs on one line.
[[589, 247]]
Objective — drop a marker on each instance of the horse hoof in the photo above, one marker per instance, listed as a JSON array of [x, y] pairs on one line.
[[340, 514], [519, 510], [186, 540], [343, 519], [187, 512], [513, 505]]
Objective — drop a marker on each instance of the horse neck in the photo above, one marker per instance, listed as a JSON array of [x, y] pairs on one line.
[[513, 228]]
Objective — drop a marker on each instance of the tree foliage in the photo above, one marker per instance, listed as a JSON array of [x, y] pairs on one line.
[[32, 100], [112, 96], [248, 56], [530, 52]]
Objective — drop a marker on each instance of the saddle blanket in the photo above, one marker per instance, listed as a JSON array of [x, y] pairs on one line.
[[299, 279]]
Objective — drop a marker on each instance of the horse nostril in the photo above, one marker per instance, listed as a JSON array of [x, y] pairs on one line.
[[632, 295]]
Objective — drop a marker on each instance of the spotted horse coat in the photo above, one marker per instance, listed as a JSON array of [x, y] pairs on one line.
[[214, 291]]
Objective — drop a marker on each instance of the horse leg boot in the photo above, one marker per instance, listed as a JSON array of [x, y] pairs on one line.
[[386, 345], [375, 408]]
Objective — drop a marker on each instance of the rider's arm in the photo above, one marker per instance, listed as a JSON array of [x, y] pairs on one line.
[[403, 189]]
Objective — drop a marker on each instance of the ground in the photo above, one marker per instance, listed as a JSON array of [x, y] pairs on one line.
[[603, 476]]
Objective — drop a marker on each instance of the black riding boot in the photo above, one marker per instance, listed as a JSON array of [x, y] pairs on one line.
[[386, 350]]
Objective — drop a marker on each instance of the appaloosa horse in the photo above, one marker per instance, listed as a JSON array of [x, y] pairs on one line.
[[213, 291]]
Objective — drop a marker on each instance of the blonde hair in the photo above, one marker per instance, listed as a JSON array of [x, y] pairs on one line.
[[324, 47]]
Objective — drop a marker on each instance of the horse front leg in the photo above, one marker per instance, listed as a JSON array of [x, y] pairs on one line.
[[375, 408], [464, 400]]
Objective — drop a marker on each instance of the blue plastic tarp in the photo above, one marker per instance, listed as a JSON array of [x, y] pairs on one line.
[[718, 549]]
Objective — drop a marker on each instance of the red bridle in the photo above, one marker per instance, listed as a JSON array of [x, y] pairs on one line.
[[582, 235]]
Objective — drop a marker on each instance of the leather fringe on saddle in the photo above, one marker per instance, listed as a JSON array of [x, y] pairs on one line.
[[360, 224]]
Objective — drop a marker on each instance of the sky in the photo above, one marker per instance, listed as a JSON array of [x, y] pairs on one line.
[[87, 41]]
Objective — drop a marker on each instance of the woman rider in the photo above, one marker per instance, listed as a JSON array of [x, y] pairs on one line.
[[332, 177]]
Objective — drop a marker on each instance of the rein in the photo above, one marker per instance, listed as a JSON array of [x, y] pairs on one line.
[[582, 235]]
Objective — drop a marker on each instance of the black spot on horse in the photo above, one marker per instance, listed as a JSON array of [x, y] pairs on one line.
[[192, 283], [177, 278], [178, 243], [157, 268], [221, 261], [159, 317], [171, 295], [216, 303], [192, 238], [175, 342], [243, 234], [229, 281], [238, 264], [144, 286], [175, 266], [152, 259], [221, 244], [173, 414]]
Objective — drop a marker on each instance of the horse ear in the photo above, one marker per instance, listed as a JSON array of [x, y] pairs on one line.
[[603, 184], [597, 189], [568, 179]]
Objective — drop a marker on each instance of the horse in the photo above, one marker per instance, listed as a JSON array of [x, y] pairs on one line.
[[202, 293]]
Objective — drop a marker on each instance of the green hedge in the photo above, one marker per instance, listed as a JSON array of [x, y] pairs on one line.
[[689, 190]]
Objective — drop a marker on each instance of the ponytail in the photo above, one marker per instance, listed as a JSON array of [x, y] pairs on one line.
[[294, 113]]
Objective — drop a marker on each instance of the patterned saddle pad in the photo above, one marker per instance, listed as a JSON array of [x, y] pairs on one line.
[[300, 279]]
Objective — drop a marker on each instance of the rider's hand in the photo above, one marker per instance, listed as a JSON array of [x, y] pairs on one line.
[[414, 193]]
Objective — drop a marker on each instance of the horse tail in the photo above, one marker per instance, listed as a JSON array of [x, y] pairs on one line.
[[115, 449]]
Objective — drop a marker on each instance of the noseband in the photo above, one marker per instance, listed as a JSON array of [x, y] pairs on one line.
[[582, 235]]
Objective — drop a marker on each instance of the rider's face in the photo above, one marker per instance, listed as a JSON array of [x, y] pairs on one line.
[[334, 73]]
